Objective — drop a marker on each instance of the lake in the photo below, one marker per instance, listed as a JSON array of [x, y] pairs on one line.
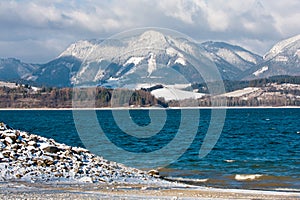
[[257, 148]]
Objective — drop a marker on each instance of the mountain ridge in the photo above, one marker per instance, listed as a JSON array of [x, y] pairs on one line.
[[149, 52]]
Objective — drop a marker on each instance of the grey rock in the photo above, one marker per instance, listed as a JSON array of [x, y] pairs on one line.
[[32, 143], [51, 149], [8, 140]]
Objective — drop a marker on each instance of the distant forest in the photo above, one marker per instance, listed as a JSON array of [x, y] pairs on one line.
[[49, 97], [237, 85], [23, 96]]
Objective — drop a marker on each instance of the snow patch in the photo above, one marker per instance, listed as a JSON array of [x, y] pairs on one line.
[[134, 60], [171, 93], [239, 93], [151, 64], [246, 56], [281, 59], [180, 86], [143, 85], [7, 84], [180, 61], [227, 55], [171, 51], [99, 75], [260, 71]]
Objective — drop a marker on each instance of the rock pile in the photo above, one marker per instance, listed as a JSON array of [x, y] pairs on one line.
[[34, 158]]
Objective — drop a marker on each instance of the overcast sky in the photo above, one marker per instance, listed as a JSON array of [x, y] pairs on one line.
[[38, 31]]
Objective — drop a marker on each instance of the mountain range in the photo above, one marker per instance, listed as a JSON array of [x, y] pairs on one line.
[[153, 57]]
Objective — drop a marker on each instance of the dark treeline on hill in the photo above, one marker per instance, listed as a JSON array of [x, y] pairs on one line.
[[237, 85], [116, 98], [24, 96], [49, 97]]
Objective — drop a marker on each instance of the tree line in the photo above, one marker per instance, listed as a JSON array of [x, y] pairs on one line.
[[50, 97]]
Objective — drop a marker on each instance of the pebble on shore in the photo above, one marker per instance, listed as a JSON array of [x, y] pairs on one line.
[[30, 157]]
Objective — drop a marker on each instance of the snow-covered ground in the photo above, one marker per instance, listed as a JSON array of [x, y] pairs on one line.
[[7, 84], [239, 93], [172, 93], [13, 85]]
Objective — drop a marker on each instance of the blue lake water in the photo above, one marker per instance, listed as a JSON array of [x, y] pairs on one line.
[[257, 149]]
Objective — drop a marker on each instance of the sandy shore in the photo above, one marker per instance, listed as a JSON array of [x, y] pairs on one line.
[[25, 190]]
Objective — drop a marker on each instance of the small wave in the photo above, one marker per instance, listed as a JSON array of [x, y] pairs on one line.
[[194, 180], [247, 177], [229, 161], [287, 189]]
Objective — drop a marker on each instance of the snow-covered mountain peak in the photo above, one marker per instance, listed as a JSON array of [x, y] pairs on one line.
[[148, 39], [152, 36], [79, 49], [281, 46]]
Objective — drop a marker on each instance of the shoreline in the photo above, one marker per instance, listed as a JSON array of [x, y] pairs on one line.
[[24, 190], [157, 108]]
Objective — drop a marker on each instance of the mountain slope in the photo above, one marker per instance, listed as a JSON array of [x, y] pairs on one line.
[[14, 69], [236, 56], [282, 59], [57, 72]]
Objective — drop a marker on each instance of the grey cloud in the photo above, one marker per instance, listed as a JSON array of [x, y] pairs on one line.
[[45, 28]]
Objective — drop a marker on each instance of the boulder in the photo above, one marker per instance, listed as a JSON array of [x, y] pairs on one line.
[[51, 149], [8, 140], [32, 143], [153, 173]]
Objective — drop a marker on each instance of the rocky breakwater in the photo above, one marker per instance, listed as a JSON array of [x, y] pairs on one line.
[[30, 157]]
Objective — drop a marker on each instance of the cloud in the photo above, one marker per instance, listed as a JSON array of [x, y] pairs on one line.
[[286, 15], [47, 27]]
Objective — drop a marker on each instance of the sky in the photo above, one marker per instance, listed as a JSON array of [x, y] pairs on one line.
[[38, 31]]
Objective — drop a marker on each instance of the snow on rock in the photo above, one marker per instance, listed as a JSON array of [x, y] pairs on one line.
[[29, 157], [240, 93], [134, 60], [180, 61], [152, 39], [151, 64], [260, 71], [79, 49], [100, 74], [171, 93], [279, 47], [228, 55], [247, 56], [171, 51], [281, 59]]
